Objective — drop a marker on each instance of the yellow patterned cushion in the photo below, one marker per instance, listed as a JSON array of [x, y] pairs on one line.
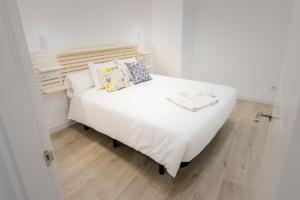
[[112, 78]]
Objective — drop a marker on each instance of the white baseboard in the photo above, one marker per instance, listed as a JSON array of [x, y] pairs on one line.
[[257, 100], [61, 126]]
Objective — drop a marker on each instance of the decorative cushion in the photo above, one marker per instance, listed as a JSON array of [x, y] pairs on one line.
[[112, 78], [95, 68], [138, 72], [121, 64]]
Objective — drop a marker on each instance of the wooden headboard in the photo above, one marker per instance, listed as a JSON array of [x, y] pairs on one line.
[[51, 68]]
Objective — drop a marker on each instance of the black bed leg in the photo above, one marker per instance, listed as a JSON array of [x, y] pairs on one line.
[[115, 143], [184, 164], [161, 169], [86, 127]]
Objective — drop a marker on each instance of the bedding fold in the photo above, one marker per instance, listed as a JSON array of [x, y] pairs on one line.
[[192, 100]]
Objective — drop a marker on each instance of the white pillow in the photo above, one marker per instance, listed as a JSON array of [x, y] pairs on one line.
[[78, 82], [121, 64], [95, 68]]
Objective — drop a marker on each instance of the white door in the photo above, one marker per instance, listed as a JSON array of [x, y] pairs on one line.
[[22, 119]]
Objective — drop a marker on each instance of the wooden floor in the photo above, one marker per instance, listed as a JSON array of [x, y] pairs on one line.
[[228, 168]]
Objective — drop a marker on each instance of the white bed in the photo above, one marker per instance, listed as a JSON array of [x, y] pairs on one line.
[[142, 118]]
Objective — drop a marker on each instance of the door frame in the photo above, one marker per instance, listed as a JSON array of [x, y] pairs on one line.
[[22, 116]]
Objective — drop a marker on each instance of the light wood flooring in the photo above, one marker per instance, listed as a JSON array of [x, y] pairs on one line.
[[227, 169]]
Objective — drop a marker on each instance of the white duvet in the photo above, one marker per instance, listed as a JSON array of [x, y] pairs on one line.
[[142, 118]]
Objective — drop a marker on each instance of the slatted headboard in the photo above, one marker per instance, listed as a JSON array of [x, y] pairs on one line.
[[51, 68]]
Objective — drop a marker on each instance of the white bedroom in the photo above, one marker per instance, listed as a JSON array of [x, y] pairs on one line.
[[139, 99]]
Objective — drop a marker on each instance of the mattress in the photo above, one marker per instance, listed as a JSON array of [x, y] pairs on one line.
[[142, 118]]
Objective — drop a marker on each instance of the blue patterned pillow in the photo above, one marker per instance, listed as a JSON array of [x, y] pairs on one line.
[[138, 72]]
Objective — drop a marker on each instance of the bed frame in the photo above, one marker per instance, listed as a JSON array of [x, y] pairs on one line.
[[161, 168], [51, 68]]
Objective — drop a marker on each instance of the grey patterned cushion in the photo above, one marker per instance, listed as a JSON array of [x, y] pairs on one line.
[[138, 72]]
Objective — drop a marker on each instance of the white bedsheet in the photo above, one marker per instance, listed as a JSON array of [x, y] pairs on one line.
[[142, 118]]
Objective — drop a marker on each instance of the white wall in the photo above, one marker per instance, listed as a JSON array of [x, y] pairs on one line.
[[69, 23], [166, 36], [289, 93], [241, 44], [56, 107], [66, 24], [188, 36], [235, 43]]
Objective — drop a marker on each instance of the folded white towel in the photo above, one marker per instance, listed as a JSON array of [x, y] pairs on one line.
[[193, 101]]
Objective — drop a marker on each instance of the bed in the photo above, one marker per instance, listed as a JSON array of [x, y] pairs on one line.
[[139, 116], [142, 118]]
